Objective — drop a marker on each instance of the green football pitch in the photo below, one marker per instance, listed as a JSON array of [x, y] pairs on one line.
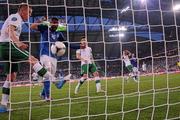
[[154, 97]]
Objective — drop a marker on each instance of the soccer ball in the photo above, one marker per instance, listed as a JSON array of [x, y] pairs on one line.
[[58, 48]]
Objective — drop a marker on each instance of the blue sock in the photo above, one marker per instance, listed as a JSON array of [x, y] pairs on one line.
[[43, 92], [46, 88]]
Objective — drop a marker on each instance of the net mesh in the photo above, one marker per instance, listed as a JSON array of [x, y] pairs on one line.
[[147, 28]]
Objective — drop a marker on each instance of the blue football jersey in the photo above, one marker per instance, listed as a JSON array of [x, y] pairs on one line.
[[48, 37], [134, 62]]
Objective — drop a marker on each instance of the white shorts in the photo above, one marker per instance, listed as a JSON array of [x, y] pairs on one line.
[[49, 63]]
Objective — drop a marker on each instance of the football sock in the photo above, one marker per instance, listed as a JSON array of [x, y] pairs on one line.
[[46, 88], [5, 93], [98, 84]]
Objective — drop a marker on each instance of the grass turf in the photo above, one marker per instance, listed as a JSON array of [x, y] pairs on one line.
[[154, 97]]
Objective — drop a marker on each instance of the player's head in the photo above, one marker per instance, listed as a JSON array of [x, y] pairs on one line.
[[25, 11], [54, 23], [126, 52], [83, 43]]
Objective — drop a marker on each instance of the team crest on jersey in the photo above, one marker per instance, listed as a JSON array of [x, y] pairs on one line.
[[14, 19], [53, 36]]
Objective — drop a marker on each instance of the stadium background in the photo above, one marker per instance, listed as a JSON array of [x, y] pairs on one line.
[[159, 36]]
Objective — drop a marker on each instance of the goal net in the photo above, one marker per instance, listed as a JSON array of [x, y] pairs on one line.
[[149, 29]]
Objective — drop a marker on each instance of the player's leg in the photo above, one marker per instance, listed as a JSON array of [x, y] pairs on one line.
[[11, 76], [46, 62], [93, 69], [131, 73], [84, 73], [136, 72], [6, 91], [22, 55], [35, 79], [62, 79]]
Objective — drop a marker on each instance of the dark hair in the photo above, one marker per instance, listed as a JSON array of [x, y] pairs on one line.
[[24, 5], [83, 37], [54, 18]]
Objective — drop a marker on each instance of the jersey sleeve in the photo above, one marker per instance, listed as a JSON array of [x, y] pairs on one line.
[[14, 20]]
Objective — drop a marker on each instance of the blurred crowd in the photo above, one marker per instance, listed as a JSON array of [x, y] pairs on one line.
[[110, 69]]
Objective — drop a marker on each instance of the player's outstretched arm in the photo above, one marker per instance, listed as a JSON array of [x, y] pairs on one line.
[[43, 21], [34, 26]]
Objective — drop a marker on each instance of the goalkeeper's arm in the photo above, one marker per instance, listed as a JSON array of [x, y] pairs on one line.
[[43, 22]]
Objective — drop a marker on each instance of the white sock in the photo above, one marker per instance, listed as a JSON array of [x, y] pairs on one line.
[[77, 88], [46, 74], [4, 100], [98, 87], [5, 97], [82, 79], [37, 67], [79, 84], [98, 84]]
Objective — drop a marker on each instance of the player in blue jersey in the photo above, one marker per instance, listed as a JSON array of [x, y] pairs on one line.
[[49, 35], [134, 64]]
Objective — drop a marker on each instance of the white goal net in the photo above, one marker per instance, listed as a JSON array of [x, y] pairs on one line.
[[148, 29]]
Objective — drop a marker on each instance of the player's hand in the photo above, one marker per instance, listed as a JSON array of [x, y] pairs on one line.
[[22, 45]]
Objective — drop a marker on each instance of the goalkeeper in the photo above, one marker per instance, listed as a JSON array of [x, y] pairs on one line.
[[13, 51], [87, 66]]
